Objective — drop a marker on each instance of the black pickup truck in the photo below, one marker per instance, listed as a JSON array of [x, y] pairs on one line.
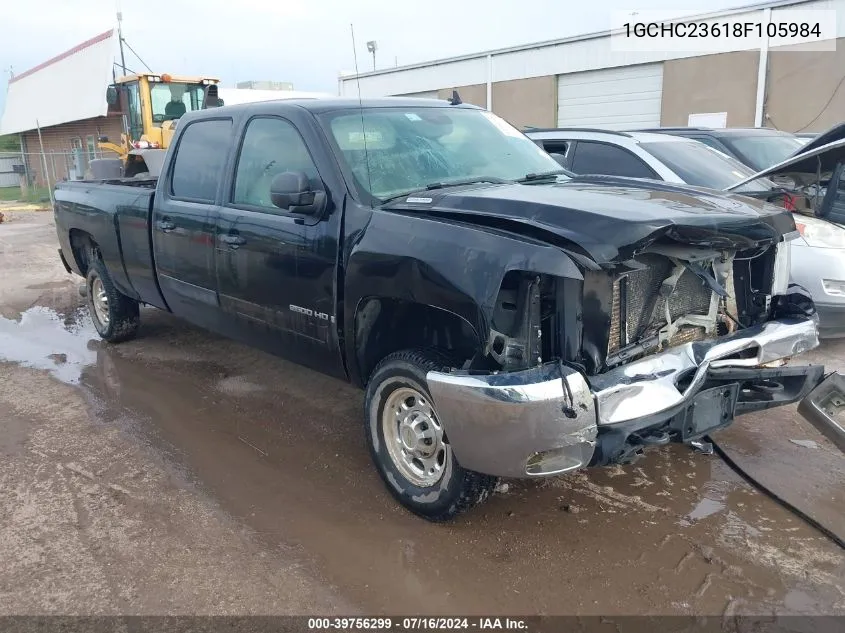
[[505, 318]]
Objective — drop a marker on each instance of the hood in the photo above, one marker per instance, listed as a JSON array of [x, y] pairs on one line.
[[819, 156], [608, 219], [836, 133]]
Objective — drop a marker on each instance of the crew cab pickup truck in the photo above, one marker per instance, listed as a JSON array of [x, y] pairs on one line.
[[505, 318]]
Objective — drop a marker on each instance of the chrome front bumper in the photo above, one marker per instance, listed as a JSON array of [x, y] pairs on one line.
[[504, 424], [649, 386], [546, 420]]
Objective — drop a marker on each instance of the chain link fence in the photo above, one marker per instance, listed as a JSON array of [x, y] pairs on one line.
[[29, 176]]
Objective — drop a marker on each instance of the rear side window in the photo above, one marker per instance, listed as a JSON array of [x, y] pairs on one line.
[[609, 160], [200, 157]]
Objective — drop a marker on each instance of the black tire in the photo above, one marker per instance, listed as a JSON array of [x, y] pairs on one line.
[[123, 313], [458, 489]]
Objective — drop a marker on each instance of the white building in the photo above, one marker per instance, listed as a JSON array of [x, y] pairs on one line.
[[589, 80]]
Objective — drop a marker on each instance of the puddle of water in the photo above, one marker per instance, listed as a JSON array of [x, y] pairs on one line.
[[705, 508], [44, 339]]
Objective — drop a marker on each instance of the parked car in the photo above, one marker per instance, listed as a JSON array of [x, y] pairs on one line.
[[756, 147], [504, 321], [818, 257]]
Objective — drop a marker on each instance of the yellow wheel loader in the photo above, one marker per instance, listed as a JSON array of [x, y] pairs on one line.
[[151, 105]]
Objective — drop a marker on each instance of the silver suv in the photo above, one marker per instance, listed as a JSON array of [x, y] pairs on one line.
[[818, 257]]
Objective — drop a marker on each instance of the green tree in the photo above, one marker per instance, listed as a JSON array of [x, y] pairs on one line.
[[10, 143]]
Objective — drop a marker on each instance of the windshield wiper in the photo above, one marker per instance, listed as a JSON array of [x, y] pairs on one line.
[[769, 195], [449, 183], [544, 175]]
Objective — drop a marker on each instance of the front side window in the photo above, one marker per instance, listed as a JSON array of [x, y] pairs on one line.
[[133, 111], [761, 151], [171, 100], [399, 150], [200, 157], [270, 147], [609, 160], [701, 165]]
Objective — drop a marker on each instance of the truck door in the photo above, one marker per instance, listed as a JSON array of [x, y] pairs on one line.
[[276, 270], [184, 215]]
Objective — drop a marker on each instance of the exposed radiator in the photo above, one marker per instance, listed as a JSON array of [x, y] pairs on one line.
[[639, 291]]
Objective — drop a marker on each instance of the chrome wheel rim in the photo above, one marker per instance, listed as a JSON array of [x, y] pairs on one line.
[[100, 301], [414, 437]]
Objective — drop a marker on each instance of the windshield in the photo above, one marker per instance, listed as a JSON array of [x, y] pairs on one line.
[[171, 100], [761, 151], [698, 164], [408, 149]]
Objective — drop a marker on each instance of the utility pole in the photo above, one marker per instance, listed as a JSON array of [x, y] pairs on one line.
[[120, 40]]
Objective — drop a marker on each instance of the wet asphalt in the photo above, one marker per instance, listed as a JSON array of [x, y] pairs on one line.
[[276, 454]]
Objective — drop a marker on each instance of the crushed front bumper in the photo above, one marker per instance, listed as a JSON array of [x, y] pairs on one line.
[[548, 419]]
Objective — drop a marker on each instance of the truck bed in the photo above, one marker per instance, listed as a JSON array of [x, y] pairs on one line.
[[116, 214]]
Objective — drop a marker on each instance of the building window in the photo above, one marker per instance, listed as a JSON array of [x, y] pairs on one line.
[[75, 143], [91, 142]]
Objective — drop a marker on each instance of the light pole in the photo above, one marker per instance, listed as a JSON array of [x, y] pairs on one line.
[[372, 46]]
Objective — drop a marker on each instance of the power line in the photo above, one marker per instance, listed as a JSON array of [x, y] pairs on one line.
[[824, 107]]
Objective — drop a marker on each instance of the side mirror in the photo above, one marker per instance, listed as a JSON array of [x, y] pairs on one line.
[[111, 95], [833, 204], [292, 192], [211, 98]]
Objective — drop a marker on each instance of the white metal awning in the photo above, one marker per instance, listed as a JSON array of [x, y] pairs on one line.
[[68, 87]]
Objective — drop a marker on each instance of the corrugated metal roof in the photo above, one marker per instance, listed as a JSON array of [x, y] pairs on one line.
[[69, 87]]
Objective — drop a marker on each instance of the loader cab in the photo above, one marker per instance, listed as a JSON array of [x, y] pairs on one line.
[[150, 103], [151, 106]]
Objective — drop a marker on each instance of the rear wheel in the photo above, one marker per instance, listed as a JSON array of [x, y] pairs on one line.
[[409, 445], [116, 317]]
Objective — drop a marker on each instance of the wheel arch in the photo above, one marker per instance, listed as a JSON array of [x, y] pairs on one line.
[[384, 325], [82, 246]]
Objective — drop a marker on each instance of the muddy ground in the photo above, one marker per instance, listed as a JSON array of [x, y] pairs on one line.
[[185, 473]]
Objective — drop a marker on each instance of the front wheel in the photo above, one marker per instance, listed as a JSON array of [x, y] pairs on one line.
[[409, 445]]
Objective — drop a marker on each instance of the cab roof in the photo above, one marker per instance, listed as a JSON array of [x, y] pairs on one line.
[[319, 105]]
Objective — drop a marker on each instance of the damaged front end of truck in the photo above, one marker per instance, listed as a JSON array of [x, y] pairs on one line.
[[666, 338]]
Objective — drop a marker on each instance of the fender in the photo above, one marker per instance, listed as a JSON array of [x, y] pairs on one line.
[[448, 265]]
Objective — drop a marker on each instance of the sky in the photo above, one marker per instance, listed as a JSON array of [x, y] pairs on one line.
[[306, 42]]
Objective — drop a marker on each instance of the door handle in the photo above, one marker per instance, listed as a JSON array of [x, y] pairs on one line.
[[166, 225], [232, 240]]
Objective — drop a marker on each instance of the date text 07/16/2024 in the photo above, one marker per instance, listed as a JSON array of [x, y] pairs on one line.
[[416, 624]]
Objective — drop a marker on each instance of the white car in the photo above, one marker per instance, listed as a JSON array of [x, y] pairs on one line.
[[818, 257]]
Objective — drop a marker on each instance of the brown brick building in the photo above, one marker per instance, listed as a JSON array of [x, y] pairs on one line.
[[66, 97]]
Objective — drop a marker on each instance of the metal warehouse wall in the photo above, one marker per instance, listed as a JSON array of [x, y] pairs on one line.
[[805, 91], [725, 82], [525, 102], [475, 94]]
